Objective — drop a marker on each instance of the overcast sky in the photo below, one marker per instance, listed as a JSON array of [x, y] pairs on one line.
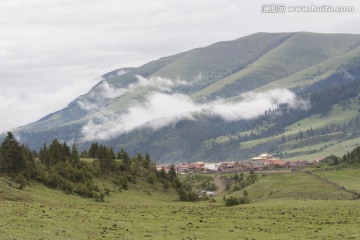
[[53, 51]]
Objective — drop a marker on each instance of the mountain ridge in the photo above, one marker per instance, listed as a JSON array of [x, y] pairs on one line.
[[299, 61]]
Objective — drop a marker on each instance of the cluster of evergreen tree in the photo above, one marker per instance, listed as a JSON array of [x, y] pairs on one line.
[[57, 153], [16, 160], [59, 166], [351, 159]]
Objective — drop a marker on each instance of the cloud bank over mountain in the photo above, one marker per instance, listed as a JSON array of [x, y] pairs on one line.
[[163, 106]]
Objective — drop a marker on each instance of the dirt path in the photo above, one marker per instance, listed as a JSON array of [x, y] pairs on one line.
[[220, 182]]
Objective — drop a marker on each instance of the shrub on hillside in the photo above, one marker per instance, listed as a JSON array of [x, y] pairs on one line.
[[21, 180], [232, 201]]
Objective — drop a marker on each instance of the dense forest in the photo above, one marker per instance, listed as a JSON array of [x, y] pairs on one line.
[[59, 166]]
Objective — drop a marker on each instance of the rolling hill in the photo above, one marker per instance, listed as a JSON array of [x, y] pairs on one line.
[[210, 79]]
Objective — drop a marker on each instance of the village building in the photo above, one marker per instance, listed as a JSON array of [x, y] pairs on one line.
[[317, 160], [183, 168], [233, 167], [297, 164], [207, 193], [262, 162], [211, 166], [199, 166], [164, 167], [266, 159]]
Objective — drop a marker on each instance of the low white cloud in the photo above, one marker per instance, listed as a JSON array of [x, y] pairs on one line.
[[255, 104], [108, 91], [159, 110], [157, 83], [88, 106], [105, 91], [163, 109]]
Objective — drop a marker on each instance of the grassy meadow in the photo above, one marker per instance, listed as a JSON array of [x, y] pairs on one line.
[[283, 206], [349, 178]]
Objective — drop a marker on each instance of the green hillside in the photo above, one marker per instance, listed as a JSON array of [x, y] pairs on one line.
[[349, 178], [315, 56], [220, 60], [298, 186], [285, 206]]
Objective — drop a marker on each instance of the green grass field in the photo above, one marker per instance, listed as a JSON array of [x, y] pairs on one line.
[[283, 206], [350, 179]]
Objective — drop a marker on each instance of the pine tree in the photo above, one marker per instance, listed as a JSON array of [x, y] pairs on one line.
[[172, 173], [147, 161], [44, 156], [74, 155], [65, 152], [93, 150], [55, 151], [104, 157], [112, 153], [12, 159], [126, 161], [29, 162], [84, 154]]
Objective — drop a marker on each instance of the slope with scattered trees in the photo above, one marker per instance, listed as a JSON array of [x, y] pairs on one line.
[[58, 166]]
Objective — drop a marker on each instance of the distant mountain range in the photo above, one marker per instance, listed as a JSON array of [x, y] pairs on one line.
[[204, 104]]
